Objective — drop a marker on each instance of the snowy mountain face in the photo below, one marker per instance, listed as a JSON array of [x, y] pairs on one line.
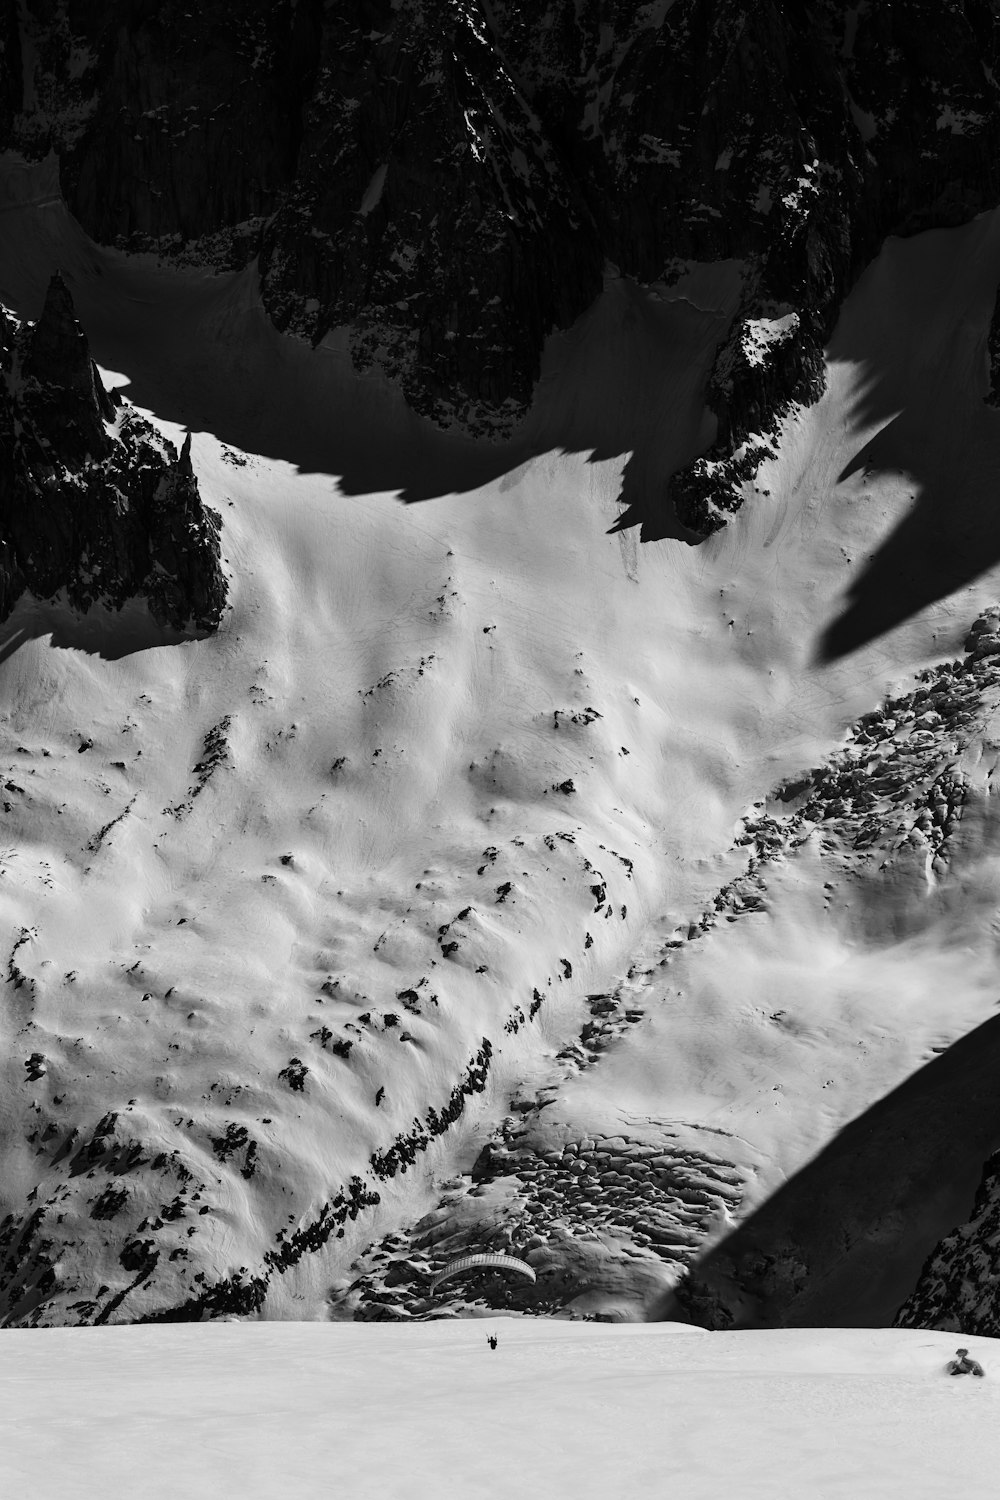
[[385, 883]]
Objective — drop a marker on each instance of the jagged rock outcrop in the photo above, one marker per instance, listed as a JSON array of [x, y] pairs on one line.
[[958, 1288], [449, 179], [92, 500], [992, 397]]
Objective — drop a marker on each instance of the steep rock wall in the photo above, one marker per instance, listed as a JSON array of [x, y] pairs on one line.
[[92, 499], [448, 180]]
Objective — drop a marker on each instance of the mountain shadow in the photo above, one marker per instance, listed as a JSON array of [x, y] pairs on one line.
[[843, 1242], [928, 367], [198, 349]]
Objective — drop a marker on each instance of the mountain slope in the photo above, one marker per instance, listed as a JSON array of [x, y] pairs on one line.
[[296, 911]]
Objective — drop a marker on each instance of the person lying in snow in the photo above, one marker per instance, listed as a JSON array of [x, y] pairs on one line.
[[963, 1365]]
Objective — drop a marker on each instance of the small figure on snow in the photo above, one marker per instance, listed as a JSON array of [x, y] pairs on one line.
[[963, 1365], [492, 1341]]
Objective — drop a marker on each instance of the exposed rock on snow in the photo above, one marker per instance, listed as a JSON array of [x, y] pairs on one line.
[[93, 500], [612, 1225], [602, 1221]]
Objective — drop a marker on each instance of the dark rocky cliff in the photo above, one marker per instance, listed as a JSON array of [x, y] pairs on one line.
[[92, 500], [957, 1289], [450, 179], [993, 356]]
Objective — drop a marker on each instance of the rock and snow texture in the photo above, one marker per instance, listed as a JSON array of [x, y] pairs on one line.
[[880, 838], [487, 881], [446, 180], [95, 505]]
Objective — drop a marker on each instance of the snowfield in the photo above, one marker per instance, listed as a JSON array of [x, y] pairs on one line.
[[567, 1411]]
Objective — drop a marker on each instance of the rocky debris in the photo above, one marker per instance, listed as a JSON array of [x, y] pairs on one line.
[[95, 844], [294, 1074], [93, 500], [403, 1151], [109, 1203], [897, 788], [958, 1286], [621, 1253], [339, 1046], [15, 974], [237, 1139], [215, 753], [152, 1235], [394, 679], [242, 1293], [591, 1216], [581, 717], [449, 181], [36, 1283], [611, 1015], [239, 1295]]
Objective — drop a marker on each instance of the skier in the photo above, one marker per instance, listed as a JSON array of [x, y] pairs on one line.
[[492, 1341], [963, 1365]]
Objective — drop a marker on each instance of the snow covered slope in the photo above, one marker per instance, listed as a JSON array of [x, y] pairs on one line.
[[298, 918], [559, 1409]]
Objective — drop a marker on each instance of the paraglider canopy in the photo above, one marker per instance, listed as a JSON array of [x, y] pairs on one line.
[[483, 1262]]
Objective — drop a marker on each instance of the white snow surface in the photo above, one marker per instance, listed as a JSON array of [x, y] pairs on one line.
[[567, 1411]]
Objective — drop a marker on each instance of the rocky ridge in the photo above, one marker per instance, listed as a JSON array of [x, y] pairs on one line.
[[957, 1287], [450, 181], [93, 501]]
